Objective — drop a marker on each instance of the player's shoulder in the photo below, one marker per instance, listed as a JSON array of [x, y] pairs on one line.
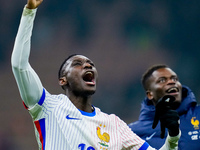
[[55, 98], [111, 116], [195, 110]]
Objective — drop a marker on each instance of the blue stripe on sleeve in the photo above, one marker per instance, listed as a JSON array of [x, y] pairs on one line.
[[41, 101], [42, 126], [144, 146]]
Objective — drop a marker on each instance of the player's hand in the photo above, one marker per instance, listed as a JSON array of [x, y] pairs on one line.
[[168, 118], [32, 4]]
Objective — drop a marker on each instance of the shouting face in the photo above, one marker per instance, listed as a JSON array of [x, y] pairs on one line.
[[79, 76]]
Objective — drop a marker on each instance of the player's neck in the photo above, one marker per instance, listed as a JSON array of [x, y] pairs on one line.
[[86, 108], [82, 103]]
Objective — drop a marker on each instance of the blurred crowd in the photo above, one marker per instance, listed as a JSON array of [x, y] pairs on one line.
[[122, 37]]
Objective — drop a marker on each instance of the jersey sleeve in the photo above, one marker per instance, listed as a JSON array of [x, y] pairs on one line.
[[28, 82]]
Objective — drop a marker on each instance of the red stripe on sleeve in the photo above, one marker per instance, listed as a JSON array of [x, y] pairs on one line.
[[24, 105], [37, 124]]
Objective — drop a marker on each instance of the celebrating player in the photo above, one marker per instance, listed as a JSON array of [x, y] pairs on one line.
[[70, 121], [160, 80]]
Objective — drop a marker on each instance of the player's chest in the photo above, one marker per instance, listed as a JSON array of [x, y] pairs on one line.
[[87, 133], [190, 127]]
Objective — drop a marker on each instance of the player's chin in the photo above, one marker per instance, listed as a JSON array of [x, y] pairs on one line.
[[178, 98], [89, 89], [89, 92]]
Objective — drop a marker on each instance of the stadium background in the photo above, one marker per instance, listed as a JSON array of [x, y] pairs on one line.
[[122, 37]]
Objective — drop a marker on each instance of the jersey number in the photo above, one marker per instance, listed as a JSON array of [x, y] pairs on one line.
[[83, 147]]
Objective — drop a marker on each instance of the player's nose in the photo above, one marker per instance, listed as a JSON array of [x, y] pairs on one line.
[[87, 65]]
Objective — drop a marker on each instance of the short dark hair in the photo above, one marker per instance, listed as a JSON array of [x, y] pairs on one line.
[[60, 72], [149, 72]]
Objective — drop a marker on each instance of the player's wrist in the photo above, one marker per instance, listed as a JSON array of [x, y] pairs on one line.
[[28, 11]]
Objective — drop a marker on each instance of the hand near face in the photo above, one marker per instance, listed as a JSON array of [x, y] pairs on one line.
[[168, 118], [32, 4]]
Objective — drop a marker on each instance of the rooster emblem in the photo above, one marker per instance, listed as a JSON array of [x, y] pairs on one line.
[[195, 123], [105, 137]]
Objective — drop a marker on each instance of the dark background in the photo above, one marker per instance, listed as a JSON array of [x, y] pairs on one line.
[[122, 37]]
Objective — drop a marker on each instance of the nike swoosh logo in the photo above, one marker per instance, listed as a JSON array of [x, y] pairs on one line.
[[71, 118], [149, 137]]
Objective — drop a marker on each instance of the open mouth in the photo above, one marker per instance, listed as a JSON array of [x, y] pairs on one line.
[[173, 90], [89, 77]]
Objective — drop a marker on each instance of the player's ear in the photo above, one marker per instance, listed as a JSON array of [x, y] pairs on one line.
[[62, 81], [149, 94]]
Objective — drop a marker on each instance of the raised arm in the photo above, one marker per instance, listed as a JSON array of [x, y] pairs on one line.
[[28, 82]]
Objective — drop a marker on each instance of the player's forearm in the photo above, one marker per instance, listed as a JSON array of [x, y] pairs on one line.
[[28, 82], [21, 51], [171, 143]]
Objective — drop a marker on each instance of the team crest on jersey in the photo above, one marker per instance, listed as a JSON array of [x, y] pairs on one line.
[[103, 136], [195, 123]]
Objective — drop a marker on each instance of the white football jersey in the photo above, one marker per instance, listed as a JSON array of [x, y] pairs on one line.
[[59, 125]]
